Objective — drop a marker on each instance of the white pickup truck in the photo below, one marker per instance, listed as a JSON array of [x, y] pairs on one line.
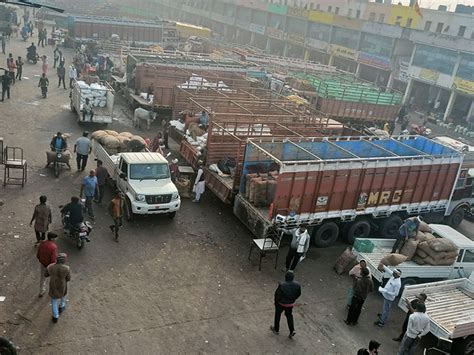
[[412, 273], [144, 179], [450, 307]]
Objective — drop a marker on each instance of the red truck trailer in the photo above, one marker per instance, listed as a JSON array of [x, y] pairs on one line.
[[353, 185], [227, 139]]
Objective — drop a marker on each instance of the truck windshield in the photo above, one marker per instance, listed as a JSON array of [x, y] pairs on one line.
[[149, 171]]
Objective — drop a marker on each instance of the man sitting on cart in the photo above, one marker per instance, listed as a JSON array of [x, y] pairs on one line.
[[87, 110]]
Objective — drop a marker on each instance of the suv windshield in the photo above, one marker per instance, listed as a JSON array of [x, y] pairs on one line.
[[149, 171]]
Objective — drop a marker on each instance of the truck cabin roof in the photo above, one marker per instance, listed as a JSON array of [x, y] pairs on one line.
[[461, 241], [144, 158]]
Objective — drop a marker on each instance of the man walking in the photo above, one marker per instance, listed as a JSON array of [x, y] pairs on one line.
[[56, 54], [389, 293], [42, 217], [46, 254], [362, 287], [285, 296], [19, 68], [6, 82], [89, 188], [102, 175], [61, 75], [4, 43], [72, 75], [59, 274], [418, 326], [298, 247], [11, 67], [82, 148], [116, 211], [421, 298]]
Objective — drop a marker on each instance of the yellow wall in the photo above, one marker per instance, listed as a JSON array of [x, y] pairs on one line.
[[321, 17], [405, 12], [187, 30]]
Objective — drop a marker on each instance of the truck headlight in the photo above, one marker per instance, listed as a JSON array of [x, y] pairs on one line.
[[140, 198], [175, 196]]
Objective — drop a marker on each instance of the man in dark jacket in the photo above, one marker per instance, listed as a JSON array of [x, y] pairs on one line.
[[285, 296], [6, 83], [362, 287]]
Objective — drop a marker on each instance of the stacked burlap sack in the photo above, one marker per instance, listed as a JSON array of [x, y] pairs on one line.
[[115, 142], [424, 249], [260, 188], [183, 184]]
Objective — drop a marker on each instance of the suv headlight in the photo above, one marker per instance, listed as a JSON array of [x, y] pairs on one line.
[[175, 196], [140, 198]]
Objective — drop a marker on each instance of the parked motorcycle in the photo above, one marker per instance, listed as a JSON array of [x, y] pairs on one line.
[[79, 233]]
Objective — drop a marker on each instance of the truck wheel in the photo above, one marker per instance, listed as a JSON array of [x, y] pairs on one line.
[[469, 345], [407, 282], [455, 219], [326, 235], [389, 227], [357, 229], [128, 210], [171, 215]]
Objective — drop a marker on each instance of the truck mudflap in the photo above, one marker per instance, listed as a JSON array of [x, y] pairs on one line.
[[251, 217]]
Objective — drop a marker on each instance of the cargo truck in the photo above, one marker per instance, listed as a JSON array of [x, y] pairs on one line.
[[100, 94], [227, 139], [144, 179], [450, 307], [413, 273], [353, 186]]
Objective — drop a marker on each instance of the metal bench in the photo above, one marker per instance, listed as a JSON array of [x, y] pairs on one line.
[[13, 160]]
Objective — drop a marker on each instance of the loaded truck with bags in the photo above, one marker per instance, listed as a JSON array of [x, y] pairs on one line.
[[142, 176], [353, 186]]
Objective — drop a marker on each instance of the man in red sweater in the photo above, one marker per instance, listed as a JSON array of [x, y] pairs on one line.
[[46, 254]]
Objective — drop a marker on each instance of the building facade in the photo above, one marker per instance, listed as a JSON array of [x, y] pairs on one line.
[[427, 54]]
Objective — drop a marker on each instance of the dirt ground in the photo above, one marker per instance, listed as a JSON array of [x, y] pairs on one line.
[[169, 286]]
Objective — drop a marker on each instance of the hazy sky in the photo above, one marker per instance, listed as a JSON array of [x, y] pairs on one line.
[[434, 3]]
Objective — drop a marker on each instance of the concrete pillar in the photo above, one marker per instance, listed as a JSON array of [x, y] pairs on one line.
[[252, 38], [449, 107], [357, 73], [438, 95], [306, 54], [285, 50], [471, 109], [390, 81], [331, 60], [406, 97], [268, 46]]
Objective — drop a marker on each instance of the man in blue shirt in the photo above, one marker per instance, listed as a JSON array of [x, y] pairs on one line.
[[204, 120], [58, 142], [89, 188], [82, 148]]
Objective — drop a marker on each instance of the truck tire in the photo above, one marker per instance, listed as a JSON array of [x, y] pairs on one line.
[[389, 226], [469, 345], [455, 219], [326, 234], [128, 211], [171, 215], [407, 282], [357, 229]]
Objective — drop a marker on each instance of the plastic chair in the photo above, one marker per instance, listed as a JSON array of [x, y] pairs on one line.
[[13, 160]]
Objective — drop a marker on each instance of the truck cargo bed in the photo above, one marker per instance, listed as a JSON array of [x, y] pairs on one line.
[[450, 306], [383, 247]]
